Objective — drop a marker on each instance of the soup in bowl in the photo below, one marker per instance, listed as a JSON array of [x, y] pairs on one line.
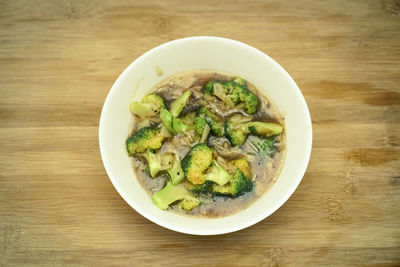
[[228, 135]]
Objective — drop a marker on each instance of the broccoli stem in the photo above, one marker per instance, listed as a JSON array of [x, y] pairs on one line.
[[171, 193], [167, 118], [217, 174], [178, 125], [178, 104], [205, 133], [176, 173], [157, 162], [264, 128]]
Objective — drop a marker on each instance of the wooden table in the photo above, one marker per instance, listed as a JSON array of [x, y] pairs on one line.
[[58, 60]]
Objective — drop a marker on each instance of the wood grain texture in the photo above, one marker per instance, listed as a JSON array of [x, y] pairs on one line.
[[58, 60]]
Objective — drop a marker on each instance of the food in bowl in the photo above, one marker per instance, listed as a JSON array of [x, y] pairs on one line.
[[206, 143]]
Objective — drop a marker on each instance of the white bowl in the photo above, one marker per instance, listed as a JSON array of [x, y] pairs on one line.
[[211, 53]]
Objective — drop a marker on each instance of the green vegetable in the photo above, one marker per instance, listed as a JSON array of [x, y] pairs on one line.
[[146, 138], [265, 146], [199, 124], [171, 193], [150, 106], [200, 167], [196, 162], [175, 172], [189, 204], [179, 126], [237, 129], [178, 104], [166, 119], [242, 165], [212, 120], [264, 128], [209, 88], [157, 162], [198, 188], [236, 187], [233, 93], [217, 174]]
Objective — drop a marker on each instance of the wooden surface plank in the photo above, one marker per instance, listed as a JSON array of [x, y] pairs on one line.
[[58, 60]]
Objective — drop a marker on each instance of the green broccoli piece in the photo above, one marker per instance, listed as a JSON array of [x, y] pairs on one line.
[[171, 193], [157, 162], [209, 88], [236, 187], [236, 129], [175, 172], [199, 160], [150, 106], [234, 132], [250, 101], [146, 138], [217, 174], [198, 188], [264, 128], [189, 204], [264, 146], [233, 93], [179, 126], [223, 92], [167, 119], [178, 104], [212, 120], [196, 162], [199, 124], [242, 165]]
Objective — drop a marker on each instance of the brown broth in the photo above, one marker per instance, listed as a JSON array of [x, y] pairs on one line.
[[264, 170]]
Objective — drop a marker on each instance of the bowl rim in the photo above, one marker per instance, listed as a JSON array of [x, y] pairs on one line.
[[255, 219]]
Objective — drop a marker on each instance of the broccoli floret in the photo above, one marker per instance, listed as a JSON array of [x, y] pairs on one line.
[[217, 174], [233, 93], [236, 129], [212, 120], [189, 204], [199, 124], [196, 162], [222, 91], [166, 119], [175, 172], [236, 135], [250, 101], [199, 160], [144, 139], [170, 118], [264, 146], [171, 193], [157, 162], [242, 165], [264, 128], [236, 187], [240, 94], [209, 88], [150, 105], [198, 188], [178, 104]]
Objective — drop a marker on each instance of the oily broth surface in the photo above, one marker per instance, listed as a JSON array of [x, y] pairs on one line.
[[264, 171]]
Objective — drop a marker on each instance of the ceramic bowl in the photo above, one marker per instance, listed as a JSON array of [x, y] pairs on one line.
[[204, 53]]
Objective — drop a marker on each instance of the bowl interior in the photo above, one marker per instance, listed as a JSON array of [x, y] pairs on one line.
[[199, 53]]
